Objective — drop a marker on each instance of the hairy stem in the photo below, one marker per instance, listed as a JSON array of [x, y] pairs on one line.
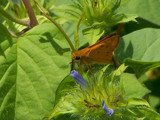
[[76, 35], [12, 18], [56, 24], [32, 17]]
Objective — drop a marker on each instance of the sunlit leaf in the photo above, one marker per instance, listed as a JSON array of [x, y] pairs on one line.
[[141, 47], [31, 68]]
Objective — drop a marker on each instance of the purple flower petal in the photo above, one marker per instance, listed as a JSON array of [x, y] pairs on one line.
[[108, 111], [78, 78]]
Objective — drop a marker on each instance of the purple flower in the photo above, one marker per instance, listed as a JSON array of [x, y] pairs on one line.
[[108, 111], [78, 78]]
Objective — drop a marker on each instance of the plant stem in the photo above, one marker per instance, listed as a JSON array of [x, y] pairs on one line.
[[12, 33], [12, 18], [41, 7], [32, 17], [56, 24], [76, 35], [120, 28]]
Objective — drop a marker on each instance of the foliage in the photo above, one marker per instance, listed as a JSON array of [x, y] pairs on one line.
[[85, 103], [35, 60], [99, 16]]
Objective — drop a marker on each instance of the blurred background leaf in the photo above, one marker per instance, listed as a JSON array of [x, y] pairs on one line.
[[147, 9]]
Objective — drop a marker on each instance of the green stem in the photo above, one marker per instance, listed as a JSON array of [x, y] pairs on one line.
[[42, 8], [56, 24], [12, 33], [12, 18], [6, 7], [76, 35]]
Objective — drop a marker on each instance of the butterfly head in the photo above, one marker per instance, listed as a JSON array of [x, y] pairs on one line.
[[76, 57]]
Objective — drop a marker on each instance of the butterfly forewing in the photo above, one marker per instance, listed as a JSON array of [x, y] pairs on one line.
[[101, 52]]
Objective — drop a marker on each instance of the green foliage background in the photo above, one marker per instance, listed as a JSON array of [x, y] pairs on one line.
[[33, 65]]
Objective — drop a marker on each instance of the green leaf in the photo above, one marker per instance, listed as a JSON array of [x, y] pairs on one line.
[[92, 34], [137, 112], [64, 87], [145, 113], [61, 2], [127, 18], [31, 68], [141, 47], [153, 85], [138, 102], [154, 101], [141, 67], [7, 74], [132, 87], [63, 106], [148, 9]]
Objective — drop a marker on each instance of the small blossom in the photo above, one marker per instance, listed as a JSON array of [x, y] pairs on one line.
[[108, 111], [78, 78]]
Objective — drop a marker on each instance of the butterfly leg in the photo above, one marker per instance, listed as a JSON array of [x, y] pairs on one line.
[[89, 68], [72, 65], [115, 60]]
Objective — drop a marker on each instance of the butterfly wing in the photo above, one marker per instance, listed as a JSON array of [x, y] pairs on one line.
[[102, 51]]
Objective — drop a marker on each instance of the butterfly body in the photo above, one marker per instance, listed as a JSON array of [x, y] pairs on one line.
[[100, 53]]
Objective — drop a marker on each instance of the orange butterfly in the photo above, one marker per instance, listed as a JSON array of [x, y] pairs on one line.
[[100, 53]]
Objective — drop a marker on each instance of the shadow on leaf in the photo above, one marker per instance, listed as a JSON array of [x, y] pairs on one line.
[[54, 44]]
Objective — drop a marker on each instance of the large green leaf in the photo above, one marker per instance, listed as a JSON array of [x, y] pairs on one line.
[[7, 74], [132, 87], [141, 47], [64, 87], [148, 9], [31, 68], [62, 105]]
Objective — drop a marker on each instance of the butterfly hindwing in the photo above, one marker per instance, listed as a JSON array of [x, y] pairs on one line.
[[102, 52]]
